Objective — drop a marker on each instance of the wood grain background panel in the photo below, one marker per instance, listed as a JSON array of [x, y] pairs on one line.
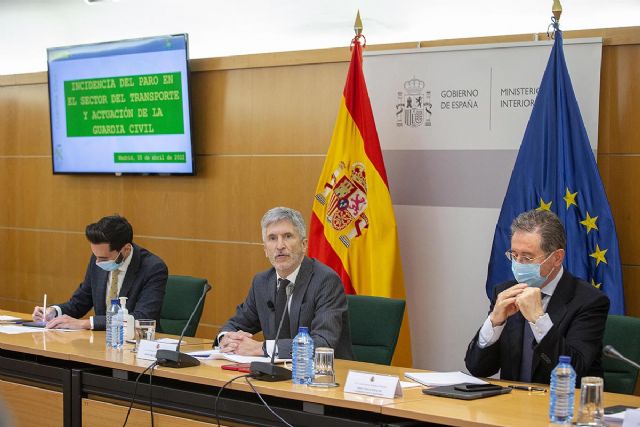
[[619, 106], [266, 110], [621, 179], [24, 123], [32, 406], [631, 276], [103, 414]]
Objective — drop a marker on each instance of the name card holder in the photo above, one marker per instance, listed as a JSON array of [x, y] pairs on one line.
[[370, 384], [147, 349]]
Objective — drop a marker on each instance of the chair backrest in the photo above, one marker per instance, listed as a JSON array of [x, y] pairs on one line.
[[180, 298], [623, 333], [375, 325]]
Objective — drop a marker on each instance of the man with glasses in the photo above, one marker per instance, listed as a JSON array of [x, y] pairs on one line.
[[544, 313], [117, 268]]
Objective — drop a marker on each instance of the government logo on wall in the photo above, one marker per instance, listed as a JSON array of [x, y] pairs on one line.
[[414, 106]]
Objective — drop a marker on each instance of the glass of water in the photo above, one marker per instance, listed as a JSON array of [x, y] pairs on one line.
[[325, 375], [145, 329]]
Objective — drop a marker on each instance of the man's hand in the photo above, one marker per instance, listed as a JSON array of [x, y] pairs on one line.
[[529, 303], [38, 315], [240, 343], [68, 322], [505, 305]]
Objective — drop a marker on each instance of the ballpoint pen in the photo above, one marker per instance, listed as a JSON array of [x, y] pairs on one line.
[[528, 388]]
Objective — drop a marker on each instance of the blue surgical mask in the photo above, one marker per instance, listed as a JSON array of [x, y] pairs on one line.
[[529, 273], [111, 264]]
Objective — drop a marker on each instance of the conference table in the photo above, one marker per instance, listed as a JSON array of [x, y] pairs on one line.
[[55, 378]]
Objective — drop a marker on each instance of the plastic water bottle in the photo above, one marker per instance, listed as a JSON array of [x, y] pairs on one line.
[[302, 362], [113, 308], [563, 388], [117, 329], [112, 325]]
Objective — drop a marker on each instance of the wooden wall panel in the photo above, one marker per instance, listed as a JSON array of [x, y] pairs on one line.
[[102, 414], [619, 106], [631, 275], [621, 178], [285, 110], [24, 122], [32, 406]]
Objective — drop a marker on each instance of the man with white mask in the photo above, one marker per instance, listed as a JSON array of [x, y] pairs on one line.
[[546, 312], [117, 268]]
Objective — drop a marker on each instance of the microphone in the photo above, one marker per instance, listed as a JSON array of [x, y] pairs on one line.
[[611, 352], [269, 371], [173, 358], [271, 306]]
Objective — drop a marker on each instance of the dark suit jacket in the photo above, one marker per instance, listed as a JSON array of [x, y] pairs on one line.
[[578, 312], [144, 285], [318, 302]]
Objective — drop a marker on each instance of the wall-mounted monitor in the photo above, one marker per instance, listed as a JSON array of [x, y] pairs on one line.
[[121, 107]]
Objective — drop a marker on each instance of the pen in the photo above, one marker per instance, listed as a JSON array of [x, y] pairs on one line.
[[44, 309], [528, 388]]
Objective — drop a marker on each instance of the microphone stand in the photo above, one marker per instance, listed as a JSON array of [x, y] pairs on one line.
[[173, 358], [269, 371], [611, 352]]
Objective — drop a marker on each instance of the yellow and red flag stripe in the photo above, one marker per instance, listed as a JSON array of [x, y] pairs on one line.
[[353, 226]]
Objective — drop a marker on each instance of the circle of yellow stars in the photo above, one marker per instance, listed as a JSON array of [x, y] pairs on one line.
[[589, 223]]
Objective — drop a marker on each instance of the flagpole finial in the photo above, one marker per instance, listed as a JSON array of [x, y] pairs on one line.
[[357, 26], [556, 9]]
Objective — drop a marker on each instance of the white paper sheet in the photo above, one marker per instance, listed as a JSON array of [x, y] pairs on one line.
[[217, 354], [433, 379]]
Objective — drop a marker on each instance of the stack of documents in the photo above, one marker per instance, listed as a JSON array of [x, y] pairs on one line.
[[217, 354], [435, 379]]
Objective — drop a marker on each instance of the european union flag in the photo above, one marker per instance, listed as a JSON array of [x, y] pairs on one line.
[[556, 170]]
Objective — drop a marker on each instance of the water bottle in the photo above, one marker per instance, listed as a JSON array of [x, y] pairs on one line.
[[111, 310], [117, 329], [563, 386], [112, 328], [302, 362]]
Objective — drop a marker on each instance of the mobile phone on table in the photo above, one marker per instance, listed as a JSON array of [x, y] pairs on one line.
[[240, 367], [617, 408], [477, 387]]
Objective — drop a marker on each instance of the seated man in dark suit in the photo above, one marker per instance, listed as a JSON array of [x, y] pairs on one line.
[[545, 313], [318, 300], [117, 268]]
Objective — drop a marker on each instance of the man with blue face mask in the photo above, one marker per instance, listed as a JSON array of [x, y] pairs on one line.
[[544, 313], [117, 268]]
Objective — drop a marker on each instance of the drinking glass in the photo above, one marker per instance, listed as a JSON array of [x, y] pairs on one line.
[[145, 329], [325, 375], [591, 411]]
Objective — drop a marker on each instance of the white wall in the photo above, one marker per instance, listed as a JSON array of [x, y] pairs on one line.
[[223, 28]]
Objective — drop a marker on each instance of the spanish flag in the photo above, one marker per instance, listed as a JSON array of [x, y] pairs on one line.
[[353, 226]]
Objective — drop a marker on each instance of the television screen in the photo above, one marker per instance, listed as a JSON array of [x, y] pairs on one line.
[[121, 107]]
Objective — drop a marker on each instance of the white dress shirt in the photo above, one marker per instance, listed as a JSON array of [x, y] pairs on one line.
[[490, 334], [122, 272]]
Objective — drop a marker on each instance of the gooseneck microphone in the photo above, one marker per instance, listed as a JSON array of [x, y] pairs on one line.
[[611, 352], [269, 371], [173, 358]]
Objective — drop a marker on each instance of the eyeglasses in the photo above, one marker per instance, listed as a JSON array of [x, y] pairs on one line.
[[521, 258]]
